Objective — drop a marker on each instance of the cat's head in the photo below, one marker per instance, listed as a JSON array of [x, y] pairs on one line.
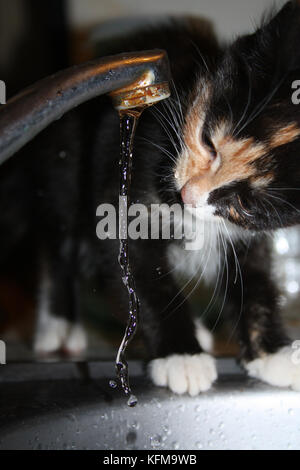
[[241, 139]]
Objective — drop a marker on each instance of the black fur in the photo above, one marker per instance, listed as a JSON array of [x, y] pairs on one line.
[[49, 192]]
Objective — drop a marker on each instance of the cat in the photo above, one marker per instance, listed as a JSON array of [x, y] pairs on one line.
[[227, 142]]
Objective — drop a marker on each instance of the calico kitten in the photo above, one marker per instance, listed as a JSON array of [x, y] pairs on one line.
[[232, 151]]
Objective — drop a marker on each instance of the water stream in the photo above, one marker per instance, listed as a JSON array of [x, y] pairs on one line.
[[128, 123]]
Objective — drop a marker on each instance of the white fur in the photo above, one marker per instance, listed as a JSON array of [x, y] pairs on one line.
[[184, 373], [51, 333], [277, 369], [76, 341], [204, 337], [205, 262], [55, 333]]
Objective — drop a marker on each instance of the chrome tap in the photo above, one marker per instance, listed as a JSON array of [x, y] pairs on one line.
[[132, 79]]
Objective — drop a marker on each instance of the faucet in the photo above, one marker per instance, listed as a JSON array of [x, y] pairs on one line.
[[132, 79]]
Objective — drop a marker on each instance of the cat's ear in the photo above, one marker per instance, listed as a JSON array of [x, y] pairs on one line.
[[274, 47], [284, 31]]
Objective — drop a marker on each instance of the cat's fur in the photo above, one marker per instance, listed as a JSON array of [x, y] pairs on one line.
[[239, 163]]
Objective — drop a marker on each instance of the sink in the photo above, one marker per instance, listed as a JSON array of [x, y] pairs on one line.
[[71, 406]]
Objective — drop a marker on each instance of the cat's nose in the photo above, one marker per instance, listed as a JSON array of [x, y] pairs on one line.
[[188, 196], [192, 194]]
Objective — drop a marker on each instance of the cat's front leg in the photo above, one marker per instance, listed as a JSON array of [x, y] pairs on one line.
[[177, 359], [57, 317], [266, 351]]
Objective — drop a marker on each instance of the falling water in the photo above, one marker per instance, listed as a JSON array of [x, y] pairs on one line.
[[128, 123]]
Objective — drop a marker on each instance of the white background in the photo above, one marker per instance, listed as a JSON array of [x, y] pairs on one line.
[[229, 16]]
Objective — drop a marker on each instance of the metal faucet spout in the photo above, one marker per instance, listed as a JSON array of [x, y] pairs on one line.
[[132, 79]]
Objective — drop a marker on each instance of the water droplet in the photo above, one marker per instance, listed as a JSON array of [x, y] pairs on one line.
[[135, 425], [113, 384], [155, 441], [199, 445], [181, 407], [132, 401], [175, 445]]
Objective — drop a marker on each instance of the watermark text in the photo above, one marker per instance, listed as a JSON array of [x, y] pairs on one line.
[[2, 352], [296, 93], [157, 221], [2, 92]]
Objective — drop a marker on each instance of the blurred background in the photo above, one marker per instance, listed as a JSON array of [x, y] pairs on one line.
[[38, 38]]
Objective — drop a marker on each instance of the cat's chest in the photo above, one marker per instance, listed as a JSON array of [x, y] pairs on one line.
[[205, 258], [201, 264]]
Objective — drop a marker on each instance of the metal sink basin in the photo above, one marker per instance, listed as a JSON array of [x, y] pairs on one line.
[[71, 406]]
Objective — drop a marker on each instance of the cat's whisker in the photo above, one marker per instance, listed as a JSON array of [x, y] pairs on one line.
[[234, 252], [178, 293], [283, 189], [176, 103], [173, 116], [162, 119], [191, 279], [162, 149], [276, 212], [201, 276], [241, 280], [247, 104], [169, 111], [167, 131], [177, 119], [173, 125], [230, 110], [217, 285], [225, 264], [200, 55], [180, 112], [262, 105], [284, 202], [175, 268]]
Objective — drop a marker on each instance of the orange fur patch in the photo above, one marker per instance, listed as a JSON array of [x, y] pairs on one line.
[[236, 158], [261, 181], [236, 155], [285, 135], [233, 213]]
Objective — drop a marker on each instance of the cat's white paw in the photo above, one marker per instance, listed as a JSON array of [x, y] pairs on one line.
[[50, 335], [184, 373], [279, 369], [76, 341], [54, 334]]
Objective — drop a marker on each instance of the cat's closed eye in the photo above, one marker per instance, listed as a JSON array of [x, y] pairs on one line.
[[206, 139]]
